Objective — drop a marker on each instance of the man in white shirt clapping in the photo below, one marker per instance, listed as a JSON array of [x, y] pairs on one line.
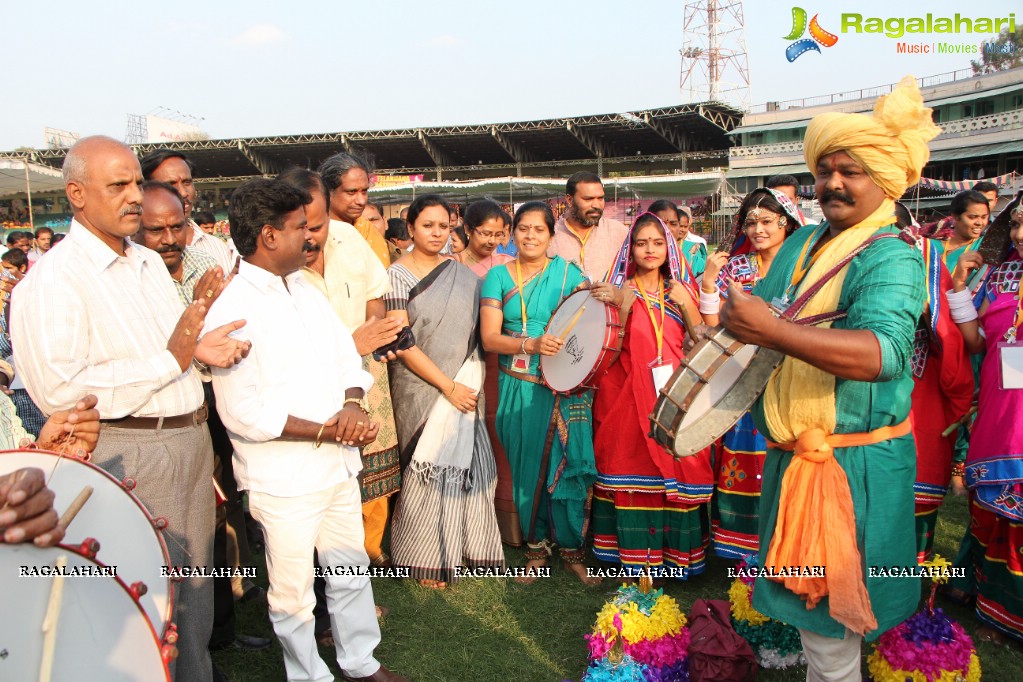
[[295, 412]]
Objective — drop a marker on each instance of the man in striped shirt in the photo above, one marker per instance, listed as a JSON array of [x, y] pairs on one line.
[[101, 315], [174, 168]]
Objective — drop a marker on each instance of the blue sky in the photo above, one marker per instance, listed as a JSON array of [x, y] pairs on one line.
[[270, 68]]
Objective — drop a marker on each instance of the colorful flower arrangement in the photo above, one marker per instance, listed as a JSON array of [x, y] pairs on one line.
[[928, 647], [775, 644], [640, 636]]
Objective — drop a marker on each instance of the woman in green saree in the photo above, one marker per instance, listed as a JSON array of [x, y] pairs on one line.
[[548, 437]]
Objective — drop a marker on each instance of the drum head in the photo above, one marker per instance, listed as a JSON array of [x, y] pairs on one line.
[[112, 516], [567, 370], [720, 384], [101, 633]]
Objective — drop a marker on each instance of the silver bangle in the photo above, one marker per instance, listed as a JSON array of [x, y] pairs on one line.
[[523, 350]]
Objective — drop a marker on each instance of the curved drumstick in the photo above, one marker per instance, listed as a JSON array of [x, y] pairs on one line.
[[75, 507], [51, 619]]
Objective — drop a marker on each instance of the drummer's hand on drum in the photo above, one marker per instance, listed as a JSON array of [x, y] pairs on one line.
[[746, 317], [26, 509], [77, 428], [548, 344], [698, 334], [462, 397], [608, 293]]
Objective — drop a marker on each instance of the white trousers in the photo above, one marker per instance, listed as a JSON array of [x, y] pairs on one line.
[[331, 521], [831, 660]]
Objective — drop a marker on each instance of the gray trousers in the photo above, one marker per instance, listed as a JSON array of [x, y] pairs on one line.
[[172, 469]]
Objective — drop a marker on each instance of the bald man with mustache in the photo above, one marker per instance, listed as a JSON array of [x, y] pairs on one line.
[[101, 315]]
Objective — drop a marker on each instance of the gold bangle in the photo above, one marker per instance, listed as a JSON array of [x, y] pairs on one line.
[[452, 391], [319, 435]]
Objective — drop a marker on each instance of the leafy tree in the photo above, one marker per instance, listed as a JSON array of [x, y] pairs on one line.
[[1004, 53]]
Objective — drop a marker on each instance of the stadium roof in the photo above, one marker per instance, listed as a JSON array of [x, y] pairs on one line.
[[683, 137]]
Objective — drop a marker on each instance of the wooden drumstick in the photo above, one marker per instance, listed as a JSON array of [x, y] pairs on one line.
[[572, 322], [51, 619], [959, 422], [687, 321], [75, 507]]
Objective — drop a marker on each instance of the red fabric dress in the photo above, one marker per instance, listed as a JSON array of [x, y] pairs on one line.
[[942, 393], [645, 500]]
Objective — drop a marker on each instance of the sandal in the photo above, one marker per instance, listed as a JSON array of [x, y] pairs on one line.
[[988, 634]]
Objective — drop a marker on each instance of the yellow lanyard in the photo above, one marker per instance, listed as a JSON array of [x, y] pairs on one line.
[[658, 328], [582, 248], [522, 294]]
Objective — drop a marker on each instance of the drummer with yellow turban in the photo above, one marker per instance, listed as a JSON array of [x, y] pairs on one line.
[[837, 500]]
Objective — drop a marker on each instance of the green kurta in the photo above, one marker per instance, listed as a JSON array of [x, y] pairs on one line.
[[883, 292], [695, 254]]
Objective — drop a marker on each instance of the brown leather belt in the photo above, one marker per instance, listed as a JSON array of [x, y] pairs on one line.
[[158, 423]]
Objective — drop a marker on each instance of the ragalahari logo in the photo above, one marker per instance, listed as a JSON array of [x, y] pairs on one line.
[[818, 36]]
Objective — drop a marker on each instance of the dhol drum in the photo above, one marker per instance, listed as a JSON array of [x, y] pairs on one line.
[[721, 377], [710, 391], [593, 335], [129, 538], [95, 629]]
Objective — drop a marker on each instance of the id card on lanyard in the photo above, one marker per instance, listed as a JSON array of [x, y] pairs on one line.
[[520, 361], [1010, 351], [659, 370]]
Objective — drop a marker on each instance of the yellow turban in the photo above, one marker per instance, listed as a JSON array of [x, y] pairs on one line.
[[890, 144]]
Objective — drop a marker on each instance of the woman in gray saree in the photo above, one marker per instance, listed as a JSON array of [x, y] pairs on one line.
[[445, 517]]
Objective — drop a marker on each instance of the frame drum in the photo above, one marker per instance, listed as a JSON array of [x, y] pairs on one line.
[[101, 631], [127, 534], [594, 339], [710, 391]]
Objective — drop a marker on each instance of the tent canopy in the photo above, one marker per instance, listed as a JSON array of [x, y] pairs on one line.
[[515, 189], [40, 178]]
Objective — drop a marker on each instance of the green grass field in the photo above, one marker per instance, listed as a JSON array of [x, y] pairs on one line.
[[494, 629]]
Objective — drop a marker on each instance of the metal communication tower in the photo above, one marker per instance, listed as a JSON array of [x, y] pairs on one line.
[[715, 66]]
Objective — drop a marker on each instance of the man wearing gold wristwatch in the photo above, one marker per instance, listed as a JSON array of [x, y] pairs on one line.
[[295, 413]]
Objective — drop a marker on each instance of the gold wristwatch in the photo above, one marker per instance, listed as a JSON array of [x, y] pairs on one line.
[[359, 402]]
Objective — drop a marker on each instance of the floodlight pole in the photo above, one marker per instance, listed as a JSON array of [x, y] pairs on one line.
[[28, 191]]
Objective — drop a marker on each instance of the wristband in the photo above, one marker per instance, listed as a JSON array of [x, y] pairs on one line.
[[960, 306], [710, 304]]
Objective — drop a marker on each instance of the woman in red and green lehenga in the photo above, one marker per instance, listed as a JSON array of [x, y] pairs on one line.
[[765, 218], [962, 232], [648, 507], [942, 390], [991, 550]]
